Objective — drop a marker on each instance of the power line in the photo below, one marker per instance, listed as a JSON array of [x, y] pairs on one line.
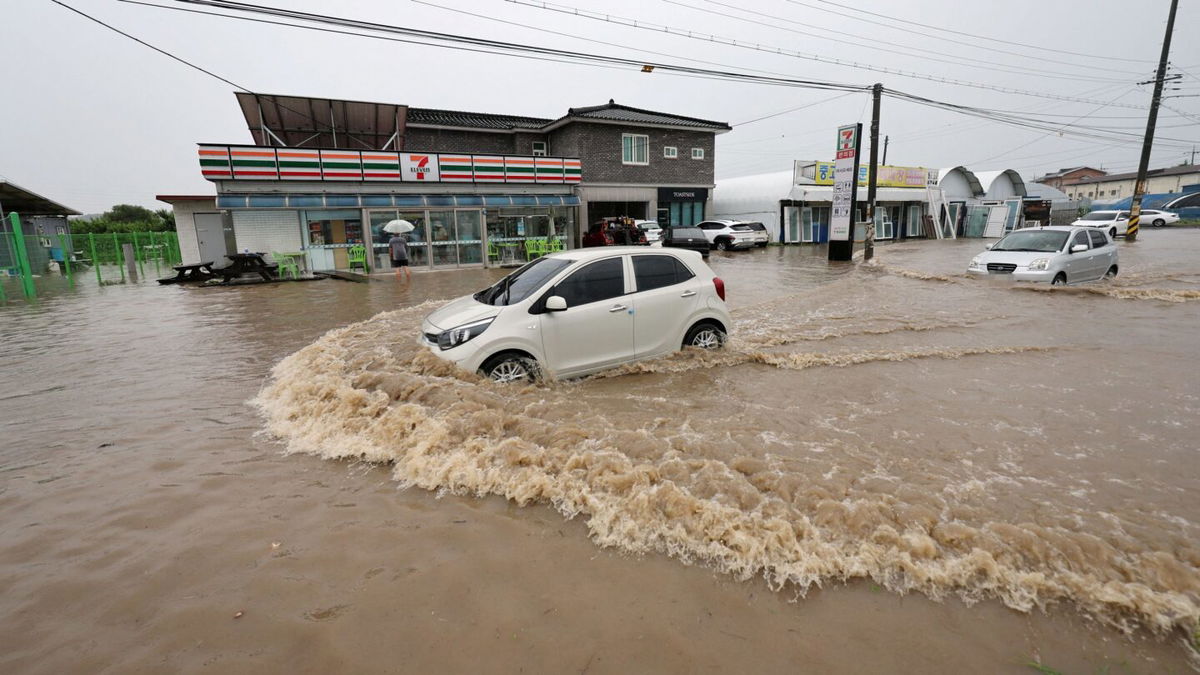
[[958, 32], [705, 37], [990, 65], [789, 110]]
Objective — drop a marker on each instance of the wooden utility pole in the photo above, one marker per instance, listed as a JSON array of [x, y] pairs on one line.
[[872, 170], [1139, 187]]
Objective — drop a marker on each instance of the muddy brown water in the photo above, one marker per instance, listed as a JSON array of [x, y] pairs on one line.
[[890, 468]]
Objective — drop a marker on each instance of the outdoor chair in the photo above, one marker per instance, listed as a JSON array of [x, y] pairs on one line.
[[358, 257], [287, 265], [554, 245], [493, 252]]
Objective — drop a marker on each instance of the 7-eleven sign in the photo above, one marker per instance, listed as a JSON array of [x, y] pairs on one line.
[[422, 167], [847, 144]]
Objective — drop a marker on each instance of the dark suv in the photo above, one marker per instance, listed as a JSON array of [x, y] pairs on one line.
[[686, 237]]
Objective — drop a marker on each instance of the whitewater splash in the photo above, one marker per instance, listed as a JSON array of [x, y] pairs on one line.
[[673, 485]]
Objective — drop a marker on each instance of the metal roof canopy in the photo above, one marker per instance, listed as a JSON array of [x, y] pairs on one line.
[[298, 121], [26, 203]]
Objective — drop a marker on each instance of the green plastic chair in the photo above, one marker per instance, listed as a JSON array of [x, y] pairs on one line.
[[493, 252], [554, 245], [532, 250], [358, 257], [286, 265]]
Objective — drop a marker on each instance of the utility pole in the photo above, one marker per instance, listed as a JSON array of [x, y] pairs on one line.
[[1139, 187], [872, 171], [885, 144]]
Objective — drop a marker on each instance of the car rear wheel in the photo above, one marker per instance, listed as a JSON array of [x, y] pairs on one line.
[[705, 336], [1059, 280], [722, 245], [511, 367], [1158, 222], [1112, 272]]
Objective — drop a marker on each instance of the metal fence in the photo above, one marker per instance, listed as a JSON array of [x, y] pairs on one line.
[[30, 257]]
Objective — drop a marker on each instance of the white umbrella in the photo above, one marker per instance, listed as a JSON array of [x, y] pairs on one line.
[[399, 226]]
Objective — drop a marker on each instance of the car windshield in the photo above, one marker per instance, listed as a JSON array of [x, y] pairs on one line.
[[1047, 241], [520, 284], [683, 232], [1100, 215]]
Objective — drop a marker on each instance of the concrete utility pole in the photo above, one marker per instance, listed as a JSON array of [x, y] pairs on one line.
[[872, 170], [1139, 187]]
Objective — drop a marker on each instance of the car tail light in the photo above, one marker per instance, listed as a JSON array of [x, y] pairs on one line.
[[720, 285]]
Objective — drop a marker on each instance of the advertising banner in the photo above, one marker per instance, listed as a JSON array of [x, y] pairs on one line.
[[889, 176], [841, 222]]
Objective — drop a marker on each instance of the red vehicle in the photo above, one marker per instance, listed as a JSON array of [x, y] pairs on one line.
[[615, 232]]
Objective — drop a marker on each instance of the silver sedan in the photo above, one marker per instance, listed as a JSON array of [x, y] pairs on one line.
[[1058, 255]]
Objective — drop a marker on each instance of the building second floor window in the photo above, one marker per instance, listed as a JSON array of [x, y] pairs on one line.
[[539, 148], [670, 151], [635, 149], [697, 153]]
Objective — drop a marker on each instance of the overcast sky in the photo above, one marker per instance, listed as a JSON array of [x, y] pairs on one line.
[[91, 118]]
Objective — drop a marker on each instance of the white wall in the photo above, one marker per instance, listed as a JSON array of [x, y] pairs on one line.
[[266, 231], [185, 226]]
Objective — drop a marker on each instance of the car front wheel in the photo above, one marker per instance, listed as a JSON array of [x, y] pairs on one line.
[[1059, 280], [705, 336], [1112, 234], [512, 367], [1158, 222]]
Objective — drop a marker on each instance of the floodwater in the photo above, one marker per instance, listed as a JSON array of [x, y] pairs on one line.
[[890, 468]]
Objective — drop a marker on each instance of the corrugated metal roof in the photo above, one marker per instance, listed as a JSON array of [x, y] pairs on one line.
[[26, 203], [1152, 173], [474, 120]]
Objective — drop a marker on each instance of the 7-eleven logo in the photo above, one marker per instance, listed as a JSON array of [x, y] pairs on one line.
[[421, 167]]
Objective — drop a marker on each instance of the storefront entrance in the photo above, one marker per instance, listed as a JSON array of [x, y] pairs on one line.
[[681, 207], [442, 238], [328, 236]]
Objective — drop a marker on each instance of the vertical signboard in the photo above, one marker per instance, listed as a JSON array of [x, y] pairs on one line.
[[845, 175]]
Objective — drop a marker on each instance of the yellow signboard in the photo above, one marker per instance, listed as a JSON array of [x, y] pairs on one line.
[[889, 176]]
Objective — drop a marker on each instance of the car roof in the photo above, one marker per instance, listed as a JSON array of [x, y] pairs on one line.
[[597, 252], [1054, 228]]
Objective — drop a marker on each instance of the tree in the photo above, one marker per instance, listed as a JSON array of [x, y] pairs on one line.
[[167, 216], [129, 213]]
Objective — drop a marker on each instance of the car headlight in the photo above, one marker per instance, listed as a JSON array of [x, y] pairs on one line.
[[974, 264], [454, 337], [1039, 264]]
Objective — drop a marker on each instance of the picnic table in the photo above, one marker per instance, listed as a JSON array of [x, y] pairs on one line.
[[198, 272], [246, 263]]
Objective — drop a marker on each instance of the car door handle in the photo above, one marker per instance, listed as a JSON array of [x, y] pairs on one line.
[[687, 294], [618, 308]]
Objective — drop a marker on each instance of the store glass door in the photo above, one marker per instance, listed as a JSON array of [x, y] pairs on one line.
[[443, 240], [469, 237]]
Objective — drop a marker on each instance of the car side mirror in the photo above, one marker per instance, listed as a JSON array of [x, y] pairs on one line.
[[555, 303], [1078, 248]]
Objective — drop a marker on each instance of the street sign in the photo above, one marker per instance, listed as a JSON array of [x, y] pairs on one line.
[[845, 174]]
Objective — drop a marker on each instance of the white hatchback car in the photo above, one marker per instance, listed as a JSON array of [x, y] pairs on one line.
[[577, 312], [1059, 254], [1113, 222]]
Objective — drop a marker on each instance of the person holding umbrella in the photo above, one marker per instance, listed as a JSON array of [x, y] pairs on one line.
[[398, 246]]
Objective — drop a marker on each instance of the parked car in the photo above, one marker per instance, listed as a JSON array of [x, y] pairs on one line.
[[614, 232], [651, 228], [723, 237], [1059, 255], [761, 237], [691, 238], [577, 312], [1159, 218], [1115, 222]]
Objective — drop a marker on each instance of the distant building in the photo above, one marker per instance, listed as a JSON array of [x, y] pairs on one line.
[[43, 222], [324, 176], [1069, 175], [1109, 187]]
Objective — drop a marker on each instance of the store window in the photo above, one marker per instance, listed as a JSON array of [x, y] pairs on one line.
[[328, 234], [635, 149], [697, 153]]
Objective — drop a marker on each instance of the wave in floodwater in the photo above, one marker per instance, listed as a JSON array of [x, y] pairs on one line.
[[659, 484]]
